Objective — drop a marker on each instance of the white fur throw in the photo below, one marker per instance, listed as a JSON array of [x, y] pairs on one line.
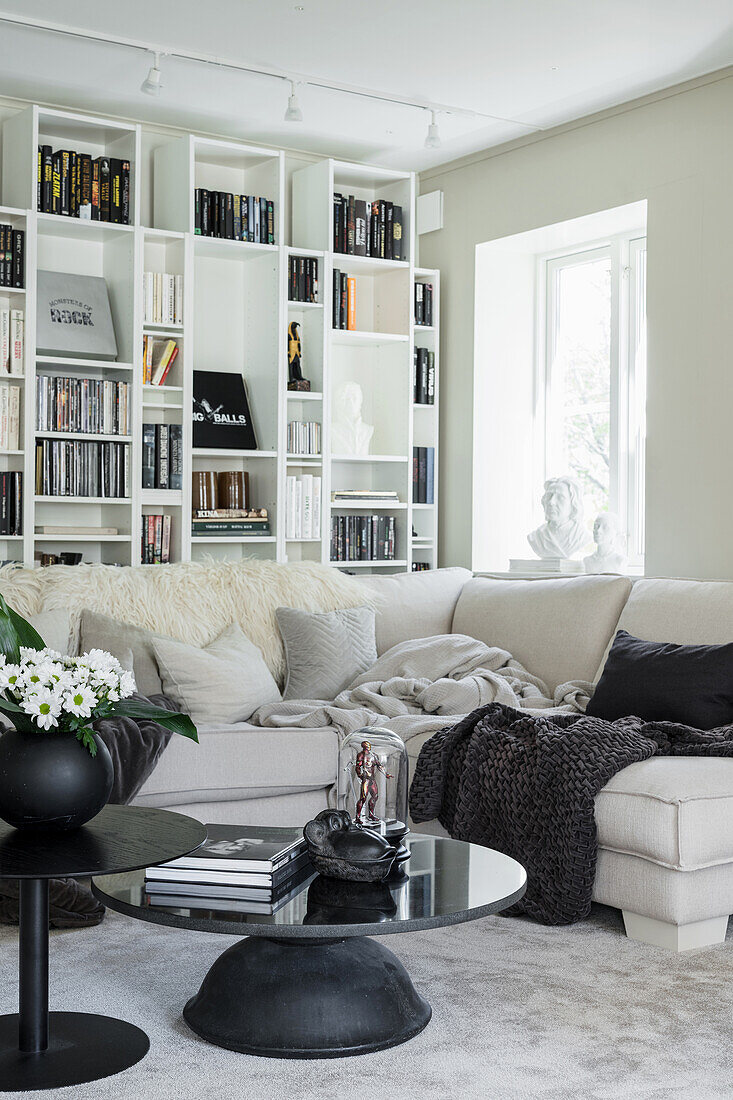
[[191, 601]]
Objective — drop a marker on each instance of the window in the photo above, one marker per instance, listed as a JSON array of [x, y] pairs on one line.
[[592, 378]]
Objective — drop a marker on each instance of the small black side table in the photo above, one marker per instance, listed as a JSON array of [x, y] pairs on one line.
[[38, 1049]]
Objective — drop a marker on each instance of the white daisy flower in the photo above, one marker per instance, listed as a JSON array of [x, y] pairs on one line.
[[44, 707], [80, 701]]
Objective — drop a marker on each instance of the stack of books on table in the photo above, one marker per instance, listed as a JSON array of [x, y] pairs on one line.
[[244, 868]]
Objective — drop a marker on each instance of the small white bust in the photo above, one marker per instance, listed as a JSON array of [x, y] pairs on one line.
[[349, 434], [608, 556], [562, 534]]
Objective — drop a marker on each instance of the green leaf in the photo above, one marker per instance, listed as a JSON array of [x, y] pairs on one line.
[[17, 716], [86, 736], [15, 632], [170, 720]]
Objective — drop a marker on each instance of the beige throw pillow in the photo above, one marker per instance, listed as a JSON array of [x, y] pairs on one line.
[[102, 632], [223, 683]]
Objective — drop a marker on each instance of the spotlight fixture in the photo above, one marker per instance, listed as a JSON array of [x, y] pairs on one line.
[[293, 112], [432, 140], [152, 83]]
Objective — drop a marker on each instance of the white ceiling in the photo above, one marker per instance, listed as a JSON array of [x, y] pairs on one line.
[[536, 62]]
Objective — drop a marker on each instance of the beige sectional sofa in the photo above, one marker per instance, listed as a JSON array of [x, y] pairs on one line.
[[665, 826]]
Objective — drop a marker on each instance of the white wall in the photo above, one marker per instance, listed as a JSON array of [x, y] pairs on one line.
[[675, 151]]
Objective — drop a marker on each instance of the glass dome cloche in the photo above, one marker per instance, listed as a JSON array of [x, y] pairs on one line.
[[373, 779]]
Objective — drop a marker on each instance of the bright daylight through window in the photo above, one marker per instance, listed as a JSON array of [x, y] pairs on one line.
[[592, 374]]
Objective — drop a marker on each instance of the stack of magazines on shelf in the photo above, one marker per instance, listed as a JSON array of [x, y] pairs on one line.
[[240, 868]]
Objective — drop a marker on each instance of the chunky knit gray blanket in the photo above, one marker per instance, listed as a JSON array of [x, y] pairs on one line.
[[525, 784]]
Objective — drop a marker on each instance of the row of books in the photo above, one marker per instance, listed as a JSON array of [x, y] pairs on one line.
[[100, 407], [304, 437], [159, 355], [420, 566], [78, 186], [162, 456], [364, 228], [344, 300], [234, 217], [424, 304], [245, 868], [162, 298], [423, 475], [303, 279], [250, 522], [155, 548], [12, 256], [12, 341], [77, 468], [363, 538], [9, 418], [423, 377], [303, 507], [11, 502]]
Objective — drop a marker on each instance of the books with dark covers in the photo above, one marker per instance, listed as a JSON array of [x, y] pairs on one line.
[[362, 538], [175, 450], [56, 184], [221, 413], [423, 475], [397, 232], [237, 850], [85, 185], [148, 456], [336, 298], [11, 502], [95, 191], [46, 203], [115, 190], [360, 242], [162, 457], [104, 189]]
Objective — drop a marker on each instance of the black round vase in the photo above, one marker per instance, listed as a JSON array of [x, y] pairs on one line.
[[51, 781]]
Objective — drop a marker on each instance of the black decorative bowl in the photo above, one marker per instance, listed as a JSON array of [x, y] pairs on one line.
[[342, 850]]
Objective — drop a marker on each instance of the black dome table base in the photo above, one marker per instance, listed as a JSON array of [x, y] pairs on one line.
[[81, 1047], [307, 999]]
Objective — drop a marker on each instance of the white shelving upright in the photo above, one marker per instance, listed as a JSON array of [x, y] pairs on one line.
[[425, 427]]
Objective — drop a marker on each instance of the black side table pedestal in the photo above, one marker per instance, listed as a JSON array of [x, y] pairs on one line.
[[58, 1048], [41, 1049]]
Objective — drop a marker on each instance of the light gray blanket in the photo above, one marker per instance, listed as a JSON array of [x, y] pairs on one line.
[[420, 686]]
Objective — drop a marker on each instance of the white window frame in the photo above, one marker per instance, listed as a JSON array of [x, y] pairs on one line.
[[627, 253]]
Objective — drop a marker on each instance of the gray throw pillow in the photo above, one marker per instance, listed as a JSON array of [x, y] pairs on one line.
[[223, 683], [325, 651], [55, 629], [102, 632]]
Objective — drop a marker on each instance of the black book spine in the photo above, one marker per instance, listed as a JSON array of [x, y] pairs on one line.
[[422, 475], [205, 213], [270, 221], [125, 192], [115, 190], [46, 203], [343, 310], [162, 457], [85, 181], [229, 217], [336, 298], [237, 219], [95, 191], [148, 478], [175, 433], [73, 184], [388, 230], [301, 279], [65, 205], [431, 378], [56, 184], [216, 214], [397, 233], [344, 223], [415, 368], [351, 226], [197, 211], [382, 229], [336, 223], [104, 189], [263, 221], [18, 258], [39, 179]]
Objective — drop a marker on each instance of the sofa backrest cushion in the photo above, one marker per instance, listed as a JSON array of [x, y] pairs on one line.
[[686, 612], [415, 605], [558, 629]]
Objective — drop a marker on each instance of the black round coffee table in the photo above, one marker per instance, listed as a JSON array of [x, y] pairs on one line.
[[309, 981], [38, 1049]]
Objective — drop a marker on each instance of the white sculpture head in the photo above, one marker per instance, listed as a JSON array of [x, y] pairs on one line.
[[609, 555], [562, 501], [606, 532], [349, 399]]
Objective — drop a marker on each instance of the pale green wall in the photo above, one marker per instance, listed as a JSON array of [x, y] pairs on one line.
[[676, 151]]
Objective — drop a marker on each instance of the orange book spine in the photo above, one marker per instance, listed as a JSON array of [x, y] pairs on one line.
[[351, 303]]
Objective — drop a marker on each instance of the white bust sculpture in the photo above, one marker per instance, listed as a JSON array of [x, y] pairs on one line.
[[608, 556], [349, 434], [562, 534]]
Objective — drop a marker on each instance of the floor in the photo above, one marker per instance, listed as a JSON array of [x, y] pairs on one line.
[[519, 1012]]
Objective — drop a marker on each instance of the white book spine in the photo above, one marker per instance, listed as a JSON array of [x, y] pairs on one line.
[[4, 341], [16, 341], [307, 506], [13, 417], [4, 417], [316, 522], [179, 300], [298, 532]]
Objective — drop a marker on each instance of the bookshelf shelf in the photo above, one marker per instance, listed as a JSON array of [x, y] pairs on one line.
[[352, 338], [220, 452], [236, 311], [88, 437]]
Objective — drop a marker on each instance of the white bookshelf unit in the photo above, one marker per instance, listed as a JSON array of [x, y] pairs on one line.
[[236, 313]]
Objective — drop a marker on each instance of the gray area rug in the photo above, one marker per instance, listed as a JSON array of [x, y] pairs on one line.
[[520, 1011]]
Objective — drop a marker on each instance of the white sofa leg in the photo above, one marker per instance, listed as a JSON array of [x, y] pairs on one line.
[[675, 937]]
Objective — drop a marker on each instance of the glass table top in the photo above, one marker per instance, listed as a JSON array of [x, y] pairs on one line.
[[443, 882]]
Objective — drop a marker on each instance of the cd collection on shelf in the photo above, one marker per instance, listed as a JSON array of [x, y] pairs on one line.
[[77, 468], [92, 405]]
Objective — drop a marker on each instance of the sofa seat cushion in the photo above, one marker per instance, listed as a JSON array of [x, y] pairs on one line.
[[674, 811], [241, 761], [415, 605], [558, 629]]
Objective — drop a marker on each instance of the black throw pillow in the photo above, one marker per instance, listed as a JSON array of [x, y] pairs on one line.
[[662, 681]]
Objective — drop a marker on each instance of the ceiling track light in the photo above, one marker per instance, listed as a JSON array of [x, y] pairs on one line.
[[293, 112], [432, 139], [153, 82]]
